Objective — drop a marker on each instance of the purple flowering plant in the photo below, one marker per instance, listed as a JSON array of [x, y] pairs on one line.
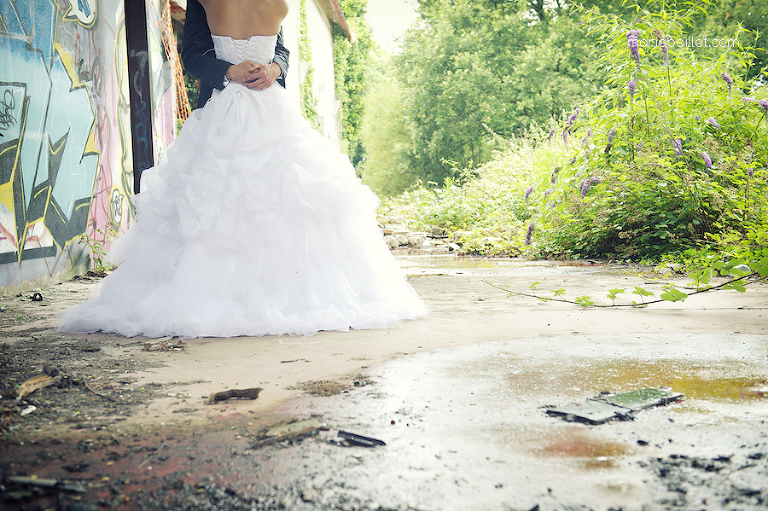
[[632, 87], [677, 144], [646, 177], [727, 80], [690, 179], [528, 192]]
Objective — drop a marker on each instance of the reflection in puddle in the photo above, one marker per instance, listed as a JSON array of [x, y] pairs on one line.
[[452, 264], [577, 442], [694, 379]]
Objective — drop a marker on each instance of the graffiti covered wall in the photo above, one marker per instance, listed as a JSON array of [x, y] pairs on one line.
[[65, 148]]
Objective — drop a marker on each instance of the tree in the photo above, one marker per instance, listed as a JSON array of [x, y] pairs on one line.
[[730, 19], [385, 132], [476, 72]]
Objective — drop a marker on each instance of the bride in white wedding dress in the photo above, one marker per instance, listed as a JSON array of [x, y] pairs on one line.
[[253, 223]]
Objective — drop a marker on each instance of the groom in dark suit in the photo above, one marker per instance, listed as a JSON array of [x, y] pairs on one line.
[[200, 60]]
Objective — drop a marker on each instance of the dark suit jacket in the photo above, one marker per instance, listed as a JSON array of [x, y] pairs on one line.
[[200, 60]]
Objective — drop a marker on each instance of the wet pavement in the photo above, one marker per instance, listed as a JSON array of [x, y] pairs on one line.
[[466, 427], [459, 398]]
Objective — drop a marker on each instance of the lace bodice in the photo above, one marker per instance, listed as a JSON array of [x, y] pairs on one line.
[[259, 48]]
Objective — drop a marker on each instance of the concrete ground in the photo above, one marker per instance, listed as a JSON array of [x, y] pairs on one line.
[[458, 397]]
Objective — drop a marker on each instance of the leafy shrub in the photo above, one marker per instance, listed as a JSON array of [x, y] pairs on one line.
[[493, 203], [672, 153], [669, 159]]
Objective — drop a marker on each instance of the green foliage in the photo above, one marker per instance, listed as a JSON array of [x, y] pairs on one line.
[[626, 175], [642, 293], [192, 85], [477, 71], [613, 293], [744, 20], [488, 206], [672, 294], [352, 70], [638, 183], [384, 134], [98, 248], [308, 99]]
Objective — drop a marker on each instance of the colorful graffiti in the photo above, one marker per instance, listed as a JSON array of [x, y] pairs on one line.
[[65, 147], [49, 161], [84, 11]]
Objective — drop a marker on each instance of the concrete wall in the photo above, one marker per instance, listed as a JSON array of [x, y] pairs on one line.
[[65, 150]]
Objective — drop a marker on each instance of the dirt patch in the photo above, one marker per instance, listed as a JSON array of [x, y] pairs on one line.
[[329, 387], [99, 388]]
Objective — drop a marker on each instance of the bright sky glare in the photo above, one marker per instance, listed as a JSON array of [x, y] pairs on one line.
[[389, 19]]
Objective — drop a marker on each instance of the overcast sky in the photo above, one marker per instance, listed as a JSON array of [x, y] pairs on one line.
[[389, 19]]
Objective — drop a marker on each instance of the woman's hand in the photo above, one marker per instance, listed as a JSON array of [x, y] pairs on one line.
[[242, 72], [263, 76], [254, 76]]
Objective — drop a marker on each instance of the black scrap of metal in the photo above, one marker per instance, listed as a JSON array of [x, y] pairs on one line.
[[359, 440], [610, 407]]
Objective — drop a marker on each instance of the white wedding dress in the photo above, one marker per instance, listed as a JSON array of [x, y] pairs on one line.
[[252, 224]]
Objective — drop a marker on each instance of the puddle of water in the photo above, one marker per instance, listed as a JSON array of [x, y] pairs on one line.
[[429, 264], [466, 429], [695, 380], [577, 442]]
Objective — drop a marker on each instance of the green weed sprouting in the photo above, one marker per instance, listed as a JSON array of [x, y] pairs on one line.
[[99, 263]]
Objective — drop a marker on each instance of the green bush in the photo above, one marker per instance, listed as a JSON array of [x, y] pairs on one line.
[[669, 159], [491, 204], [670, 155]]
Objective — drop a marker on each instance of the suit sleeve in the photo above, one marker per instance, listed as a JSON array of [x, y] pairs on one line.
[[281, 57], [197, 48]]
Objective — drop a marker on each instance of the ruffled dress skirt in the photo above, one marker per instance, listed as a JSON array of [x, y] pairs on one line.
[[253, 224]]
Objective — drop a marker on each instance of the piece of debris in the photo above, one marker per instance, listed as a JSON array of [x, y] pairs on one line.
[[47, 483], [28, 410], [51, 370], [166, 344], [292, 431], [296, 427], [33, 384], [54, 376], [323, 388], [37, 297], [641, 399], [234, 393], [591, 412], [352, 439], [609, 407], [77, 467]]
